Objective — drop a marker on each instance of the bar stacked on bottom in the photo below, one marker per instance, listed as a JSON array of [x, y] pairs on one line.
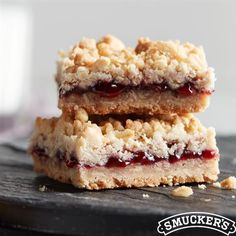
[[124, 152], [118, 127]]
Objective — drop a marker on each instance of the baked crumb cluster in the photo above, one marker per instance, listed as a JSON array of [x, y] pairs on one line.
[[228, 183], [150, 62], [93, 143], [182, 191]]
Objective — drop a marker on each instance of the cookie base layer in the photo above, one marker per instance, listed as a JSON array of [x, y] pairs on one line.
[[138, 102], [136, 175]]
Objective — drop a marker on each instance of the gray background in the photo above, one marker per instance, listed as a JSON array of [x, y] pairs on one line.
[[59, 24]]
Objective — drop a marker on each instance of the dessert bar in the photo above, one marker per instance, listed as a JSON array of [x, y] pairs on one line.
[[155, 77], [97, 152]]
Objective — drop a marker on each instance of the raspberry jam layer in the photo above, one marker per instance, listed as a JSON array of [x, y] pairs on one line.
[[140, 157], [106, 89], [113, 89]]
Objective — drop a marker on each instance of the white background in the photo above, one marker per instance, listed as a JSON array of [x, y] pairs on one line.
[[54, 25]]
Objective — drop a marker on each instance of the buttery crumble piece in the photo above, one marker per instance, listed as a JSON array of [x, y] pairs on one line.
[[207, 200], [229, 183], [42, 188], [216, 184], [182, 191], [202, 186], [145, 195]]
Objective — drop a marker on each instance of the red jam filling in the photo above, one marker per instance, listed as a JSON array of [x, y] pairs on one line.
[[113, 89], [187, 90], [140, 157], [108, 89], [41, 152], [145, 158]]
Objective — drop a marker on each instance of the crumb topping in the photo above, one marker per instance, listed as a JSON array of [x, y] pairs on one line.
[[149, 62], [94, 142], [182, 191]]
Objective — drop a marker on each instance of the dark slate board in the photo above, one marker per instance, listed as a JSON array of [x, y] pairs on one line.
[[63, 209]]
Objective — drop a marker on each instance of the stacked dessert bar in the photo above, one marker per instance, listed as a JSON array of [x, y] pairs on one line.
[[126, 116]]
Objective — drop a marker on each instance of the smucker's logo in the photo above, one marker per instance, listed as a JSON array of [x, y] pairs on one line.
[[196, 220]]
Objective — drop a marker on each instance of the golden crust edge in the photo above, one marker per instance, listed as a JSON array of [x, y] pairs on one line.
[[154, 104]]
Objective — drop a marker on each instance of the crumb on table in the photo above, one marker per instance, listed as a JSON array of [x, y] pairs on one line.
[[42, 188], [216, 185], [182, 191], [228, 183], [207, 200], [145, 195], [202, 186]]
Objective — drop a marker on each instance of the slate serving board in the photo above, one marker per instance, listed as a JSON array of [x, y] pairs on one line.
[[63, 209]]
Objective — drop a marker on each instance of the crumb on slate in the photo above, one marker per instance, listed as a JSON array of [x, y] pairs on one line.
[[42, 188], [182, 191], [228, 183], [207, 200], [216, 185], [202, 186], [145, 195]]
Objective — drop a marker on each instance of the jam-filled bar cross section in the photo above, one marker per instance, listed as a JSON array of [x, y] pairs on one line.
[[112, 152], [155, 77]]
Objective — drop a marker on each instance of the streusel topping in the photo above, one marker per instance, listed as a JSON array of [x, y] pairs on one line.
[[150, 62], [93, 142]]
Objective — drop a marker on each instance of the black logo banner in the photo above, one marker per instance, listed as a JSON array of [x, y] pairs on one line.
[[196, 220]]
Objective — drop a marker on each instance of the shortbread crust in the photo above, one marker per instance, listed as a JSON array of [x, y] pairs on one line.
[[138, 102]]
